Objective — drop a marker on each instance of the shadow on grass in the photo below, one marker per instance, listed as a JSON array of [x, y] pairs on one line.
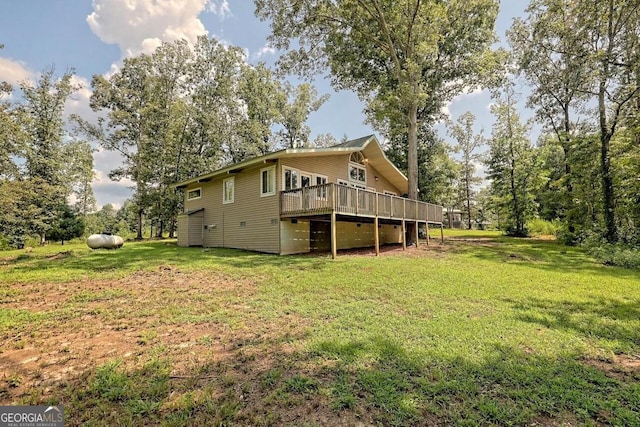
[[367, 382], [617, 321], [144, 255], [544, 254]]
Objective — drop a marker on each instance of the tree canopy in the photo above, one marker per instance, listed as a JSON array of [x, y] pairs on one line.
[[399, 56]]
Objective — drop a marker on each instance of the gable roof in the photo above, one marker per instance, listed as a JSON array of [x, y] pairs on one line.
[[369, 146]]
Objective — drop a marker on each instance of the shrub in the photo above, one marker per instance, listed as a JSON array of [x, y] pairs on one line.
[[617, 255], [541, 227], [611, 254], [4, 243]]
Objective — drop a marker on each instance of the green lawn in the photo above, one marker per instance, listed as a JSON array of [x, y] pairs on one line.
[[483, 330]]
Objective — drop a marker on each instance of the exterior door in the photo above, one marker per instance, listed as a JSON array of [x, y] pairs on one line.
[[305, 182], [320, 236]]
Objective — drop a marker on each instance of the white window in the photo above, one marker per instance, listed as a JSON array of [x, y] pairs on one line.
[[305, 180], [358, 158], [195, 193], [357, 168], [291, 179], [268, 181], [321, 193], [228, 190]]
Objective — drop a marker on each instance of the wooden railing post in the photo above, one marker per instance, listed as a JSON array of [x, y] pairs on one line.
[[376, 232], [334, 237], [415, 217]]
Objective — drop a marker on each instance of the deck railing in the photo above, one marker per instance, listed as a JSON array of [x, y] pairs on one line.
[[344, 200]]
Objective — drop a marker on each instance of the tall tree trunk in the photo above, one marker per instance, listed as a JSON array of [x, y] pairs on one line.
[[412, 152], [412, 163], [468, 197], [517, 210], [172, 227], [160, 229], [608, 195], [606, 134], [139, 236], [514, 195], [566, 144]]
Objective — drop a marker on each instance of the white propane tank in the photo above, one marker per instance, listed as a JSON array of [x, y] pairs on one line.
[[104, 241]]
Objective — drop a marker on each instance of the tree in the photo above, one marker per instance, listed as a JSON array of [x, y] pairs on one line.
[[399, 56], [11, 135], [78, 169], [511, 164], [550, 54], [68, 225], [262, 95], [180, 112], [437, 172], [304, 101], [463, 133], [14, 201], [585, 51], [325, 140], [607, 25], [43, 123], [41, 167]]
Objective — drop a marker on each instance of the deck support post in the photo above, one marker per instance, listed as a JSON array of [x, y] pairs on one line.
[[376, 234], [334, 238], [426, 226], [404, 235]]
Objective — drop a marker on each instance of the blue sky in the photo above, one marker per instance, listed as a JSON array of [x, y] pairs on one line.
[[94, 37]]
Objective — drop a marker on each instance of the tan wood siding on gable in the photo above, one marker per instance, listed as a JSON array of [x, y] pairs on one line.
[[334, 168]]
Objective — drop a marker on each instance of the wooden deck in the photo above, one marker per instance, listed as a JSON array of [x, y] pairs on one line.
[[349, 201]]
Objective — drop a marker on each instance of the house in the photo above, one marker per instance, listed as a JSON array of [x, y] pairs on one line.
[[453, 218], [302, 200]]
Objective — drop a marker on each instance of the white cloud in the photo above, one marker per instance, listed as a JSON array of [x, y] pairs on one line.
[[104, 189], [219, 7], [264, 51], [139, 26], [462, 98], [78, 102], [14, 72]]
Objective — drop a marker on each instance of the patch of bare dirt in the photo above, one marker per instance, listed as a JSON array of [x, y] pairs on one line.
[[435, 248], [621, 366], [205, 324], [90, 322]]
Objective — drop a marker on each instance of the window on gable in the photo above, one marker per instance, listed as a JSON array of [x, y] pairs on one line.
[[358, 158], [195, 193], [268, 181], [357, 168], [228, 190], [357, 173]]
